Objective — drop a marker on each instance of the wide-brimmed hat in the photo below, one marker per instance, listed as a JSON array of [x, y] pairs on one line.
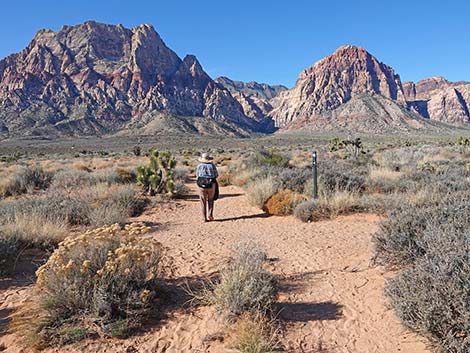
[[205, 158]]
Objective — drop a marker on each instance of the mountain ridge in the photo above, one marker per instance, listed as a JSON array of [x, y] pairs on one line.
[[101, 79], [95, 78]]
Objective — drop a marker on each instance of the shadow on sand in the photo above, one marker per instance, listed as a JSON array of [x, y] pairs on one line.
[[259, 215], [304, 312]]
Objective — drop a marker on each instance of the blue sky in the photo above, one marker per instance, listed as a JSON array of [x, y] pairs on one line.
[[272, 41]]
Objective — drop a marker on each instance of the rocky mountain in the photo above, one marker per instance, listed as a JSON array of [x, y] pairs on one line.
[[437, 99], [96, 78], [348, 89], [254, 97], [251, 89], [352, 90]]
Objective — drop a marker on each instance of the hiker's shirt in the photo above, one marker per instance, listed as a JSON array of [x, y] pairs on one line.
[[206, 170]]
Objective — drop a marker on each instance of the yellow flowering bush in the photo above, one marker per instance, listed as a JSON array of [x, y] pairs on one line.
[[110, 273]]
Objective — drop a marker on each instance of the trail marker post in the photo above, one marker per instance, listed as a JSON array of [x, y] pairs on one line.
[[315, 174]]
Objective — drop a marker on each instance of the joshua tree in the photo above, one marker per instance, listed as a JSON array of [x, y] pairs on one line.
[[464, 143], [353, 146], [157, 176]]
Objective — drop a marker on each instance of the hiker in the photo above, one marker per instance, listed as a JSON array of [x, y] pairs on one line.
[[206, 174]]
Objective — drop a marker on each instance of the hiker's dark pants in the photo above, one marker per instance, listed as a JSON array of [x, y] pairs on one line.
[[206, 196]]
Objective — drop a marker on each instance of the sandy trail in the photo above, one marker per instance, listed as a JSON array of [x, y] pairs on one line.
[[331, 299]]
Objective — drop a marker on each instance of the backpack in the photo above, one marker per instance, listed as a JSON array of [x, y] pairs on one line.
[[205, 183]]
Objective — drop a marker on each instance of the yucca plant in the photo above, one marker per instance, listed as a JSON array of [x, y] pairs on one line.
[[157, 176]]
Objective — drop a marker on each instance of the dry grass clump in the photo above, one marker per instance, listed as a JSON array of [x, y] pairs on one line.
[[327, 206], [26, 180], [35, 230], [225, 179], [244, 285], [254, 334], [107, 276], [114, 204], [9, 250], [242, 177], [43, 221], [72, 179], [382, 179], [283, 203], [341, 202], [259, 191]]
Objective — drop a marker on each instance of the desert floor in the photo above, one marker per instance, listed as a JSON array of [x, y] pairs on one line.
[[331, 298]]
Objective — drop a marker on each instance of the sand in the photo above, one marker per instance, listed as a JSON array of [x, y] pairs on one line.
[[331, 298]]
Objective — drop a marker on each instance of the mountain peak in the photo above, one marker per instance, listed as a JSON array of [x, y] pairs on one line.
[[94, 77], [335, 80], [349, 47]]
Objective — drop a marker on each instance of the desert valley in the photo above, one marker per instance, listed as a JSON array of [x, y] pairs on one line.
[[102, 245]]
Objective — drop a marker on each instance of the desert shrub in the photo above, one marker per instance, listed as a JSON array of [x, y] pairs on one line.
[[267, 158], [384, 180], [306, 210], [35, 230], [9, 250], [340, 175], [340, 202], [180, 178], [112, 176], [450, 178], [256, 334], [260, 191], [108, 274], [27, 179], [293, 179], [244, 285], [433, 296], [225, 179], [283, 203], [71, 179], [399, 240], [382, 203], [115, 205], [181, 174], [43, 221]]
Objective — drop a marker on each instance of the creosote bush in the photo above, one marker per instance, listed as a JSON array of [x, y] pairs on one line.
[[108, 274], [244, 285]]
